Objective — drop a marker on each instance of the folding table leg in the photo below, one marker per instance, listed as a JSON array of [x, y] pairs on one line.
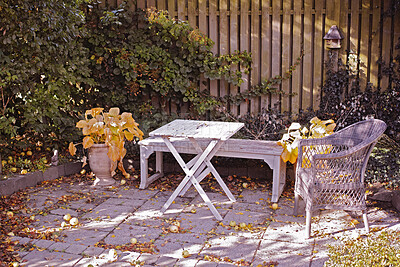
[[209, 165], [209, 151]]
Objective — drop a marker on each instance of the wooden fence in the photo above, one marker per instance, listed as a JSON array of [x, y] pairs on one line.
[[277, 31]]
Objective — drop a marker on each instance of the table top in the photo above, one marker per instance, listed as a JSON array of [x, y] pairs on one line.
[[198, 129]]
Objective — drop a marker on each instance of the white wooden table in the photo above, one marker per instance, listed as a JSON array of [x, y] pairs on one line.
[[216, 133]]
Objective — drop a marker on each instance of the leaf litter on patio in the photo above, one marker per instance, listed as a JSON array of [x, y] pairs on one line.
[[20, 219]]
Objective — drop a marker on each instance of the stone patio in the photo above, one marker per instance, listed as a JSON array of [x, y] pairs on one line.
[[111, 217]]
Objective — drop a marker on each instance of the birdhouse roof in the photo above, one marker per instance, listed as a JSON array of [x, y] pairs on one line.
[[333, 33]]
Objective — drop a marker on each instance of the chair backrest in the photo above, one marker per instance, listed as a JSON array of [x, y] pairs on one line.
[[363, 135], [366, 131]]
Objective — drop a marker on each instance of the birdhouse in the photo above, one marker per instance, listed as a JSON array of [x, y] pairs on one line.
[[333, 38]]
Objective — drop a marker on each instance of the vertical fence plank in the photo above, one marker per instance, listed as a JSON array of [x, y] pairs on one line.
[[233, 44], [192, 14], [297, 49], [354, 30], [364, 41], [318, 53], [223, 40], [171, 8], [151, 3], [343, 21], [286, 52], [386, 43], [255, 52], [265, 47], [376, 9], [307, 60], [213, 34], [276, 45], [244, 46], [141, 4], [203, 27], [161, 4], [181, 9], [396, 37]]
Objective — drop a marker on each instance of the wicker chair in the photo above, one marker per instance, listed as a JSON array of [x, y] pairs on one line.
[[330, 170]]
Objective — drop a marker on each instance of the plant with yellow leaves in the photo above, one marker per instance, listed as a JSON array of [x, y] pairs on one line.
[[110, 128], [318, 129]]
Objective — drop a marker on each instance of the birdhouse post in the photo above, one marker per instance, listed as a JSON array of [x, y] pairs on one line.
[[332, 42]]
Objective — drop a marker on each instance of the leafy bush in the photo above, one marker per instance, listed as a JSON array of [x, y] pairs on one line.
[[380, 250], [140, 55], [384, 163], [42, 63]]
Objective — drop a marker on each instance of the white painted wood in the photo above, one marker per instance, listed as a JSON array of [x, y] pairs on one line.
[[198, 129], [213, 134], [268, 151]]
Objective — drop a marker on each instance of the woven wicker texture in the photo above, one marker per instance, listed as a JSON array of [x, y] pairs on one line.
[[330, 170]]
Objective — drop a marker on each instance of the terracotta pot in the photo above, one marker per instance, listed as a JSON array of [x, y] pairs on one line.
[[100, 164]]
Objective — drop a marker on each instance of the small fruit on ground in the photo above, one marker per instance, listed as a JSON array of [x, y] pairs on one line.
[[10, 214], [74, 221], [24, 172], [13, 169], [133, 240], [63, 224], [242, 225], [245, 185], [193, 210], [83, 171], [185, 254], [67, 217], [29, 153], [174, 229], [232, 223], [123, 181], [274, 206]]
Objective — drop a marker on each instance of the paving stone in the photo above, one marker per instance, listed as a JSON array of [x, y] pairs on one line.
[[83, 236], [134, 193], [148, 259], [93, 251], [47, 221], [76, 249], [233, 247], [166, 261], [134, 203], [46, 258], [186, 262], [252, 196], [244, 206], [220, 201], [43, 243], [202, 263], [201, 221], [128, 256], [62, 212], [59, 247], [283, 259], [286, 232], [124, 234], [110, 213], [175, 248]]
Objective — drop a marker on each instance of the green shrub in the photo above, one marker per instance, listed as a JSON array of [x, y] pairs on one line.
[[42, 64], [374, 250]]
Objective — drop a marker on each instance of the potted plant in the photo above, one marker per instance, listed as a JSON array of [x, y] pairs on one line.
[[104, 137], [319, 128]]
